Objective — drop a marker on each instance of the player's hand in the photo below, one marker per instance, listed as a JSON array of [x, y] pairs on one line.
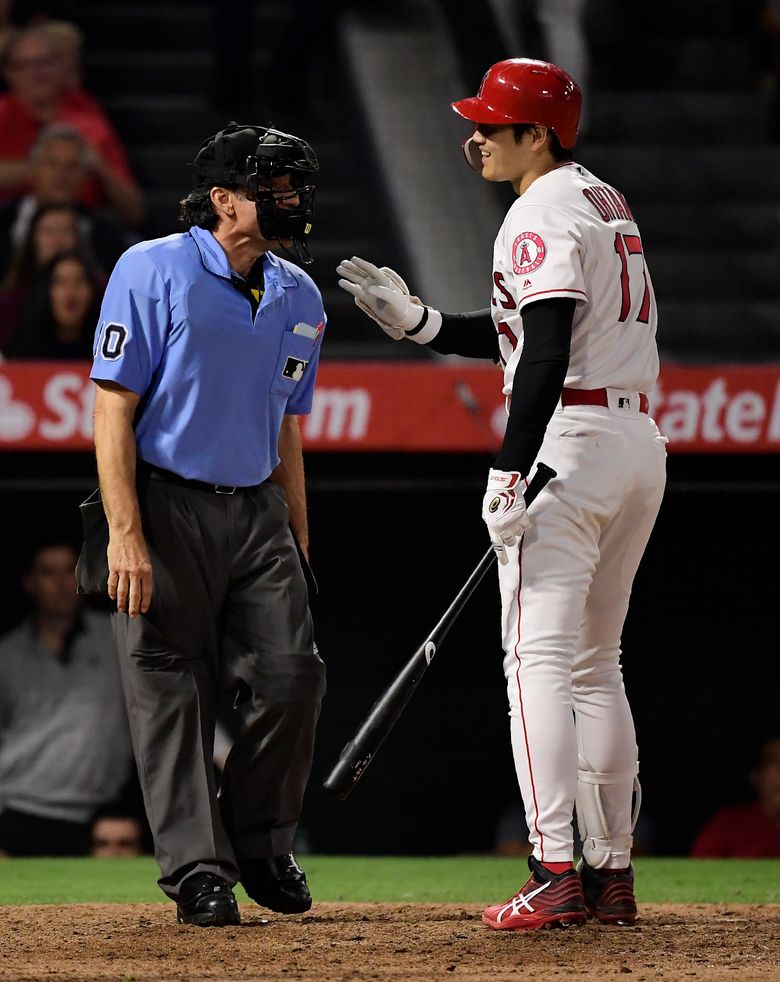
[[129, 573], [503, 510], [382, 294]]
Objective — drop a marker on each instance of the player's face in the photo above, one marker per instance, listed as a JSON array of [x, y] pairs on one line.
[[503, 158]]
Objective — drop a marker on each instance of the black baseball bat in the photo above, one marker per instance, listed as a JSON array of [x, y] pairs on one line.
[[362, 748]]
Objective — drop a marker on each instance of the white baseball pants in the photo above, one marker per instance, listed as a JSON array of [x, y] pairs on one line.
[[565, 595]]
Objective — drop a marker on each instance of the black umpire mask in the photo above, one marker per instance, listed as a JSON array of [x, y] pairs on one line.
[[249, 157]]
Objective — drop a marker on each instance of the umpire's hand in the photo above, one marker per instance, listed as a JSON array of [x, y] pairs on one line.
[[129, 573]]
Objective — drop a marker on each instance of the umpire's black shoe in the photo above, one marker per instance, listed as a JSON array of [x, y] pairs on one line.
[[206, 899], [276, 882]]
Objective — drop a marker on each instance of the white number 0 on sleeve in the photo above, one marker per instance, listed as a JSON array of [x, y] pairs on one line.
[[114, 338]]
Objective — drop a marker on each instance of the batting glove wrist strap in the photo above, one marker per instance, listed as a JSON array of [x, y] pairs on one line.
[[503, 510], [428, 328]]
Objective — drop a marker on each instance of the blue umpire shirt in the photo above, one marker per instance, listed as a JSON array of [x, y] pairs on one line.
[[215, 382]]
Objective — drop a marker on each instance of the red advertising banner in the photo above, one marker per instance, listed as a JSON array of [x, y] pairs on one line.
[[402, 406]]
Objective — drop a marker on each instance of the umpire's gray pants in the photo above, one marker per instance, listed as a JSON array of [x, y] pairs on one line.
[[229, 612]]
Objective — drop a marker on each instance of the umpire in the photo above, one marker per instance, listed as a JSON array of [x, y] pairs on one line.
[[206, 351]]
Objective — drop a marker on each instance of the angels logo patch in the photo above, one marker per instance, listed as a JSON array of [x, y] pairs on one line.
[[528, 252]]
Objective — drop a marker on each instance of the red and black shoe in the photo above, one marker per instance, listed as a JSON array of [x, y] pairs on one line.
[[609, 894], [547, 900]]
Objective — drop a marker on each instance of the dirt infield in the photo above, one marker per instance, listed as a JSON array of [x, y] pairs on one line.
[[142, 942]]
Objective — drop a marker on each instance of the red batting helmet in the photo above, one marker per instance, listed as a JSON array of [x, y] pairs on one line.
[[521, 90]]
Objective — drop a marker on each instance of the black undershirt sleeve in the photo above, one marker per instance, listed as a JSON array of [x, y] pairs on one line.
[[538, 381], [472, 335]]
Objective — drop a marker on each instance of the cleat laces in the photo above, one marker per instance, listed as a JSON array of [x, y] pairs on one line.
[[520, 903]]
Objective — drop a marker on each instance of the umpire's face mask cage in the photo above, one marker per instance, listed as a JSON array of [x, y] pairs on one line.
[[251, 157]]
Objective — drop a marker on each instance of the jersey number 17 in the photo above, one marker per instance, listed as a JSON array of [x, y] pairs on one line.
[[625, 246]]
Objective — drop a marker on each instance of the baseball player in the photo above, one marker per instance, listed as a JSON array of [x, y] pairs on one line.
[[572, 321], [206, 351]]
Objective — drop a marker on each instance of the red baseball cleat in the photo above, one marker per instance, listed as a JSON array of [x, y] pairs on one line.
[[609, 894], [547, 899]]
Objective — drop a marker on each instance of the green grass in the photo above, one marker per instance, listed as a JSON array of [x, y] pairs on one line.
[[352, 879]]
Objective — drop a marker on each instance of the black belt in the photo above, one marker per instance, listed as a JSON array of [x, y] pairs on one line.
[[161, 474]]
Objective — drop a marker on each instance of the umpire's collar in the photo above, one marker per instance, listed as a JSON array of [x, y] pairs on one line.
[[214, 259]]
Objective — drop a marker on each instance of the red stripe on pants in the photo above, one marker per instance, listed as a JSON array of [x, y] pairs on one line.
[[520, 696]]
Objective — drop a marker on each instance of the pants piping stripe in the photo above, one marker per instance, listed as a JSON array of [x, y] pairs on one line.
[[520, 695]]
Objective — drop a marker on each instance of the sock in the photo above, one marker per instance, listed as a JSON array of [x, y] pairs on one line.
[[557, 867]]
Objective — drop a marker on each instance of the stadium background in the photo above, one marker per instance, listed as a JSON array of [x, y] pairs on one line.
[[677, 125]]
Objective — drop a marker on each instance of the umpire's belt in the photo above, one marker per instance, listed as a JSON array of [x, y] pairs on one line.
[[161, 474]]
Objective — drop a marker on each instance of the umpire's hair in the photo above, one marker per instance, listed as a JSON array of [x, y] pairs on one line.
[[197, 208], [558, 152]]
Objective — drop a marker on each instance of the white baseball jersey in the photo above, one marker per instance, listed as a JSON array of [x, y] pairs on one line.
[[565, 589], [571, 235]]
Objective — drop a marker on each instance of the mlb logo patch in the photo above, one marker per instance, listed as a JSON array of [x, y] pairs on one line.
[[294, 368]]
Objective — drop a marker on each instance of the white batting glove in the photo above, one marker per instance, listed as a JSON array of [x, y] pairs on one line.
[[382, 294], [503, 510]]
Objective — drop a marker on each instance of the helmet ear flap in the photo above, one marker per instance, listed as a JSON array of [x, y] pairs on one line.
[[472, 153]]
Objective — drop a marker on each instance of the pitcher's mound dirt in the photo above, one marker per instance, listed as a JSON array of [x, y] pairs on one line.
[[423, 943]]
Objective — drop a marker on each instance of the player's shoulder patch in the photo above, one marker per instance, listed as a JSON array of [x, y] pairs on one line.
[[528, 253]]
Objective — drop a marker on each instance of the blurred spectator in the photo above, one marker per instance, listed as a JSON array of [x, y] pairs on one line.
[[751, 830], [58, 166], [6, 24], [64, 740], [117, 834], [68, 42], [39, 95], [61, 314], [54, 228], [19, 13]]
